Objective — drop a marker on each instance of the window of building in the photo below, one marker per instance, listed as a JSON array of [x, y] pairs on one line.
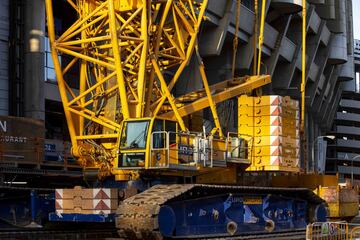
[[50, 75]]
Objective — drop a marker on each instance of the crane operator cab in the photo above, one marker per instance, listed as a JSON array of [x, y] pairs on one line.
[[157, 143]]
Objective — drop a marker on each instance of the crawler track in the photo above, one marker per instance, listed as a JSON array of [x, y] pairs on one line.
[[138, 215]]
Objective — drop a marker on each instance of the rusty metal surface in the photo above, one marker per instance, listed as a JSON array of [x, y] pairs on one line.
[[21, 140]]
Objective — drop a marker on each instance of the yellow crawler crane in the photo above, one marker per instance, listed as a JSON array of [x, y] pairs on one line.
[[124, 121], [122, 49]]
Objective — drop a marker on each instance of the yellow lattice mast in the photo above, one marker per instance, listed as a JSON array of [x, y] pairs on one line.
[[121, 50]]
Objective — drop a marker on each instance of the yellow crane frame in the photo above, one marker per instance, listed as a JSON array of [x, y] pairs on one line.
[[121, 50]]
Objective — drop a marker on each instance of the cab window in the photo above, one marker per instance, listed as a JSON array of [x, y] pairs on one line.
[[134, 135]]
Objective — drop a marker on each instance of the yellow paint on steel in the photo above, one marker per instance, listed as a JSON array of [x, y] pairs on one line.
[[92, 88], [236, 40], [118, 65], [255, 35], [75, 28], [62, 89], [99, 136], [303, 64], [83, 69], [303, 84], [86, 57], [158, 104], [123, 51], [261, 35], [209, 96], [156, 52], [168, 95], [142, 67], [243, 86]]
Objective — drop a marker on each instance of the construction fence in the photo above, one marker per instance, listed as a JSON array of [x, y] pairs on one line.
[[333, 231]]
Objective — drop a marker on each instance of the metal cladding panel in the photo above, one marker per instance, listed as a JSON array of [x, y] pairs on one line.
[[347, 103], [348, 116], [349, 86], [314, 22], [338, 25], [4, 56], [338, 49], [348, 143], [349, 170], [288, 49], [21, 140], [347, 70], [327, 10], [347, 156], [348, 130], [314, 71], [270, 36]]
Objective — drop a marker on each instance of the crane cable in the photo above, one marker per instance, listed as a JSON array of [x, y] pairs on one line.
[[256, 13], [303, 88], [261, 35], [236, 40]]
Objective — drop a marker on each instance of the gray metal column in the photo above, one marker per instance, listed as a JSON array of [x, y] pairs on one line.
[[34, 59]]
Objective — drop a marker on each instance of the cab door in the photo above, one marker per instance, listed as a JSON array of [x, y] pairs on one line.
[[164, 148]]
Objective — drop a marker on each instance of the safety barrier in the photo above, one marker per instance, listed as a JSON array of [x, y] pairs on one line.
[[355, 233], [333, 231]]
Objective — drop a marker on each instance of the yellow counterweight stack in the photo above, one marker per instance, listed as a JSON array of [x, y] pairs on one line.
[[271, 126]]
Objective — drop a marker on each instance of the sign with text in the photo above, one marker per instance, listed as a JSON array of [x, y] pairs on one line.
[[21, 139]]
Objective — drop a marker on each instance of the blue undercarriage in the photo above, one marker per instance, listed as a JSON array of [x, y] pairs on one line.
[[233, 214], [98, 218], [221, 213]]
